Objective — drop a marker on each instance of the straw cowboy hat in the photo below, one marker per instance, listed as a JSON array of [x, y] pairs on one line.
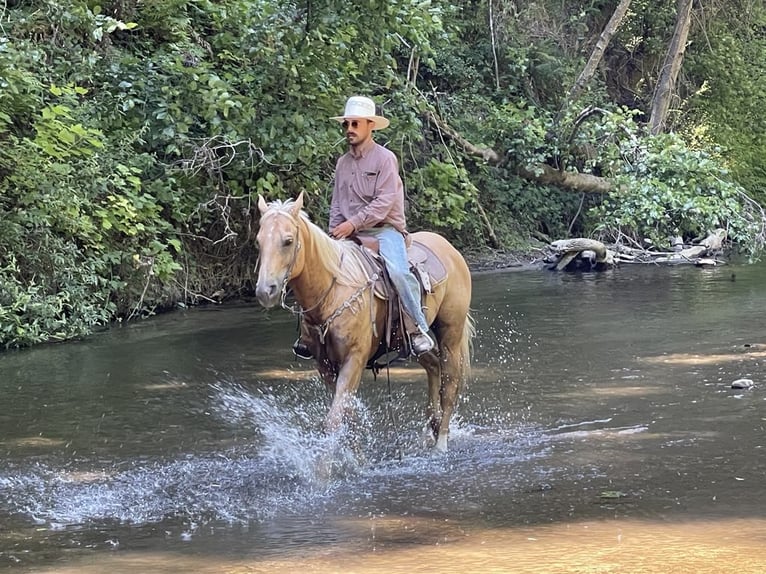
[[359, 107]]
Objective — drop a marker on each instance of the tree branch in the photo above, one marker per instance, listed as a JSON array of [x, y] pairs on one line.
[[540, 173], [487, 154], [598, 50]]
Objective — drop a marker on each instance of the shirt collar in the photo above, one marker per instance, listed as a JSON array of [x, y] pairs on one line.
[[362, 150]]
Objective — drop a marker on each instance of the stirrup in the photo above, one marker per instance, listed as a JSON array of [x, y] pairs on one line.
[[421, 343], [301, 350]]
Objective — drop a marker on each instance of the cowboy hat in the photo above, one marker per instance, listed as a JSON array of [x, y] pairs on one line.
[[359, 107]]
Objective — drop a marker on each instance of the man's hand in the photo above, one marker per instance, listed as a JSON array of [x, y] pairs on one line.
[[343, 230]]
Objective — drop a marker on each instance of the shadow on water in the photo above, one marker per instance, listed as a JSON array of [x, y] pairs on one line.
[[599, 432]]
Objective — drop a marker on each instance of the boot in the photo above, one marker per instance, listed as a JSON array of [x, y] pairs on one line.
[[301, 350], [421, 343]]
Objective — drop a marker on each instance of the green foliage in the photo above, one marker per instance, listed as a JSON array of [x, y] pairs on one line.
[[440, 195], [135, 135], [730, 96], [75, 207], [667, 189], [16, 85], [59, 135], [68, 297]]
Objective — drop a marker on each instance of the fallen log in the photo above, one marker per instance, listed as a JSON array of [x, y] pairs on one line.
[[579, 244], [684, 256], [581, 253], [590, 253]]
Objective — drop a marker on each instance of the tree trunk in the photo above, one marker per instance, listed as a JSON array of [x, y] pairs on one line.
[[494, 49], [493, 240], [598, 51], [663, 92], [569, 180]]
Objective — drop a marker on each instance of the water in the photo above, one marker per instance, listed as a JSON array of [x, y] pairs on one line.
[[599, 433]]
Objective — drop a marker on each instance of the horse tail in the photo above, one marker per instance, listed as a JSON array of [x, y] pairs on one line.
[[466, 345]]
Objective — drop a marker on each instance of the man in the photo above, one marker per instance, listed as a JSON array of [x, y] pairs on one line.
[[368, 198]]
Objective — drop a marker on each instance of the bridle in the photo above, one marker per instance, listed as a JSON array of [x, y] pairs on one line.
[[291, 266], [324, 327]]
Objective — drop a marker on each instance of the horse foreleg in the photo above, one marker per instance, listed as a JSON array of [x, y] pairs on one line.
[[349, 376], [328, 373]]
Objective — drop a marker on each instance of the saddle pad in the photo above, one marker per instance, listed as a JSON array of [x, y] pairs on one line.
[[427, 264], [423, 261]]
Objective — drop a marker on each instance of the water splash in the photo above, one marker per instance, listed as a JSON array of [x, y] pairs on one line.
[[288, 466], [290, 429], [285, 469]]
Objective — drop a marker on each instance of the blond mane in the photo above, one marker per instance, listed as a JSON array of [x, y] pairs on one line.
[[343, 259]]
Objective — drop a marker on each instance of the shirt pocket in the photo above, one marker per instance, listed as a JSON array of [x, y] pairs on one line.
[[369, 181]]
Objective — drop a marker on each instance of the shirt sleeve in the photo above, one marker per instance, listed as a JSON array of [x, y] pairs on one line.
[[336, 217]]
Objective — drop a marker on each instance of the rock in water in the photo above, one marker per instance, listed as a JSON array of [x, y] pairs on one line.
[[742, 384]]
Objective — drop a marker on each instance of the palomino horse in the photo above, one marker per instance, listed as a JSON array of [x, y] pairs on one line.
[[346, 321]]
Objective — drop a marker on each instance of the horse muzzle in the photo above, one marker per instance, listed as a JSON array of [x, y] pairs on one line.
[[267, 293]]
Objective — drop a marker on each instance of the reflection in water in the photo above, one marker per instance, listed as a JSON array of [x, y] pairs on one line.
[[749, 352], [600, 433], [404, 545]]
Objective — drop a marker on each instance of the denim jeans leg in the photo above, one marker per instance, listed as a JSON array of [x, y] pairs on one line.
[[394, 253]]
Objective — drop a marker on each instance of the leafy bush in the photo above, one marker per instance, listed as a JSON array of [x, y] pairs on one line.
[[439, 195], [729, 104], [667, 189], [68, 295], [77, 214]]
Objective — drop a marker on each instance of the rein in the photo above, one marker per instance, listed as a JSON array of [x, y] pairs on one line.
[[300, 310]]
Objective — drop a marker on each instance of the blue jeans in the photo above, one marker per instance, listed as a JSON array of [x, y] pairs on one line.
[[394, 254]]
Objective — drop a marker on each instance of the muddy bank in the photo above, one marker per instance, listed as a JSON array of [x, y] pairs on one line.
[[490, 261]]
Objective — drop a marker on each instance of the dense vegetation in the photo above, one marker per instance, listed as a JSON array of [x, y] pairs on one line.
[[135, 136]]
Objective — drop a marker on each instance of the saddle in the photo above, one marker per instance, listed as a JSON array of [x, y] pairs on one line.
[[428, 270], [424, 263]]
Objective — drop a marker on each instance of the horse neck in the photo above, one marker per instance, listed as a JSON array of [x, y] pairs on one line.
[[312, 285]]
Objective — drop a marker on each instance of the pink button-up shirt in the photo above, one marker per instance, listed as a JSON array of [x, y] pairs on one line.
[[368, 191]]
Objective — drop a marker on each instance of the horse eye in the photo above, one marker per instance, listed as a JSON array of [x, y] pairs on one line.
[[288, 241]]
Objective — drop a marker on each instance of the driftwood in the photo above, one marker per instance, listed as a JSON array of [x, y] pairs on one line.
[[589, 254], [590, 250]]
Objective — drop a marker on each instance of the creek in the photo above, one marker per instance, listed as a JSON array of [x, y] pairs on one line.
[[599, 432]]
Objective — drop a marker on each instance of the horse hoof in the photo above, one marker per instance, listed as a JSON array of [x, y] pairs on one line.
[[441, 445]]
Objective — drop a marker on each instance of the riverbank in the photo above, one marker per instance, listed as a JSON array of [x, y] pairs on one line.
[[485, 261]]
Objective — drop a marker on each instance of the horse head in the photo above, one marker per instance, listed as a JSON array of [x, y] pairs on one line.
[[279, 248]]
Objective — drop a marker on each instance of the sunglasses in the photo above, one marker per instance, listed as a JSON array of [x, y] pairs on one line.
[[353, 123]]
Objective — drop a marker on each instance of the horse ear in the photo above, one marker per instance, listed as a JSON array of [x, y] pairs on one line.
[[262, 207], [298, 204]]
